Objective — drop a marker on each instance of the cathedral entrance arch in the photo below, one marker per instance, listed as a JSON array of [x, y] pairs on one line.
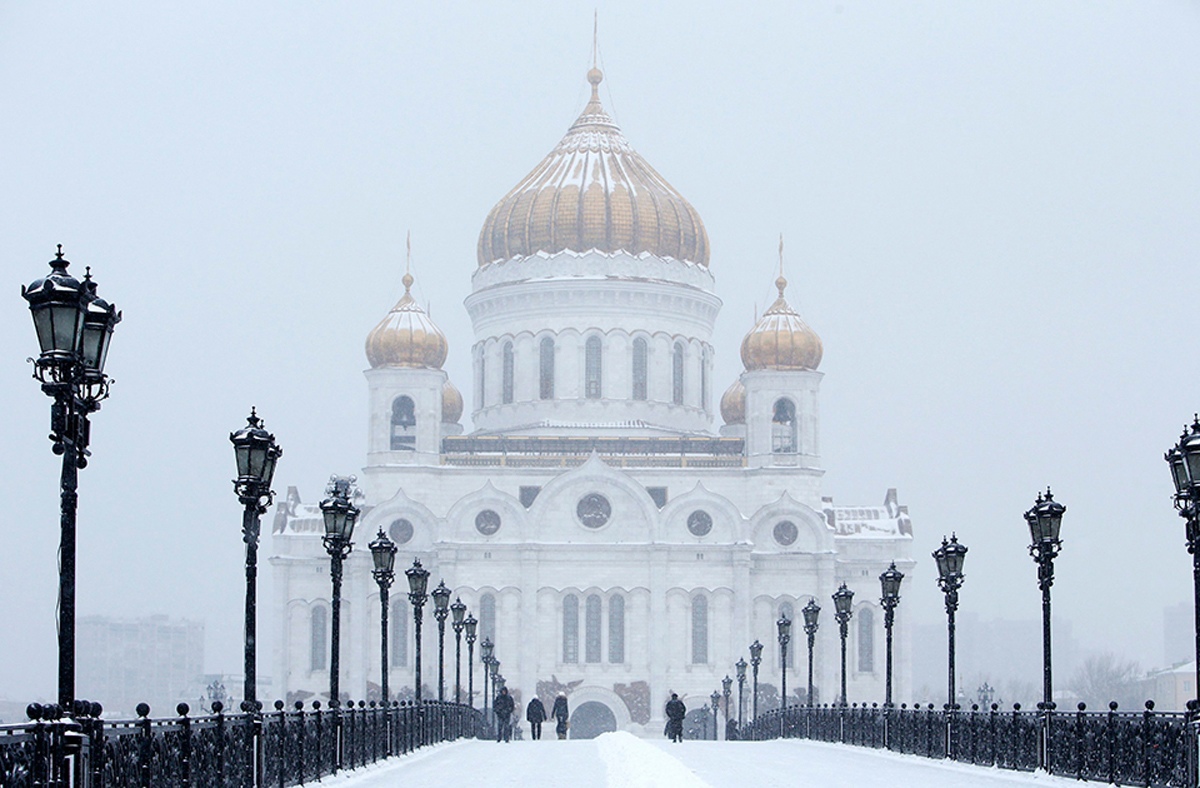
[[591, 719]]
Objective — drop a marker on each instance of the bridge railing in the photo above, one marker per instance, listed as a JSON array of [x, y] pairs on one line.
[[251, 749], [1147, 748]]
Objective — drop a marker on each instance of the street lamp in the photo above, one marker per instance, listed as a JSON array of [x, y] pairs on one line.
[[383, 554], [726, 690], [812, 612], [470, 625], [716, 699], [843, 599], [457, 611], [340, 516], [485, 650], [784, 625], [949, 559], [890, 583], [418, 581], [741, 680], [441, 605], [1045, 520], [755, 660], [74, 327], [1184, 459]]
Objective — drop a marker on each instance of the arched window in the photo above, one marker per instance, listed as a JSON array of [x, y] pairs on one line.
[[704, 379], [677, 374], [866, 641], [570, 619], [591, 643], [699, 630], [404, 424], [482, 378], [506, 394], [616, 629], [487, 617], [640, 387], [592, 366], [783, 427], [787, 611], [318, 638], [546, 368], [398, 631]]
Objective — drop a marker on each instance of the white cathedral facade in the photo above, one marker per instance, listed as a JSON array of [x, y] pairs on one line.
[[609, 541]]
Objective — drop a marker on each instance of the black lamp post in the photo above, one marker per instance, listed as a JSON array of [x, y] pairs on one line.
[[441, 608], [74, 327], [457, 611], [949, 559], [418, 581], [784, 625], [890, 582], [1184, 459], [716, 700], [811, 611], [383, 554], [1045, 520], [740, 665], [256, 453], [727, 690], [485, 650], [755, 660], [843, 600], [340, 516], [494, 668], [470, 625]]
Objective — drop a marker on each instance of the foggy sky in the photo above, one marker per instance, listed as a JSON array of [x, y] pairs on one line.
[[990, 211]]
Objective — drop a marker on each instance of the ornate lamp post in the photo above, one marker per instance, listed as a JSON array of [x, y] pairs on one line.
[[755, 660], [812, 611], [383, 554], [470, 625], [890, 583], [949, 559], [784, 625], [256, 453], [1045, 519], [74, 327], [441, 608], [418, 581], [494, 668], [457, 611], [843, 600], [741, 680], [340, 516], [726, 690], [485, 649], [716, 700], [1184, 459]]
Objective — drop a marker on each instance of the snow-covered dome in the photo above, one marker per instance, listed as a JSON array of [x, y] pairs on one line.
[[407, 337], [780, 339]]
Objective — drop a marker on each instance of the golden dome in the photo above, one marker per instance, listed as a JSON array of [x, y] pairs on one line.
[[780, 339], [406, 337], [733, 404], [452, 404], [593, 192]]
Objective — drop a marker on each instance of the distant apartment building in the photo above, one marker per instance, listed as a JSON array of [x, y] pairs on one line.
[[1179, 644], [121, 662]]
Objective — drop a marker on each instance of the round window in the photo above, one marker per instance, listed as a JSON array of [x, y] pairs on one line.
[[487, 522], [401, 531], [785, 532], [700, 522], [593, 510]]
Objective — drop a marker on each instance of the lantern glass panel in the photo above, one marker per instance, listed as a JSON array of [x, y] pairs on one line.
[[268, 469], [241, 453], [458, 610], [756, 650], [471, 624], [418, 579], [785, 627], [811, 612], [954, 560], [1178, 472], [66, 320], [1191, 454]]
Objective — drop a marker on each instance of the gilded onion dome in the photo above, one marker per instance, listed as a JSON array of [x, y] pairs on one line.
[[733, 404], [406, 337], [780, 339], [593, 191], [452, 404]]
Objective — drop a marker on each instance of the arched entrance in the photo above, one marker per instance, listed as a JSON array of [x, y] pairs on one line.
[[591, 719]]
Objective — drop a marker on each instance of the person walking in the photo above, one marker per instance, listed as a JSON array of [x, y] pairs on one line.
[[535, 714], [503, 706], [561, 714], [676, 711]]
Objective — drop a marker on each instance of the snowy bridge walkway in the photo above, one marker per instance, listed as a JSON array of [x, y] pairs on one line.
[[619, 760]]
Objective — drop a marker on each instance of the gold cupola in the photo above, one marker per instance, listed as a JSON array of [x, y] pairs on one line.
[[780, 339], [733, 404], [593, 192], [407, 337], [452, 403]]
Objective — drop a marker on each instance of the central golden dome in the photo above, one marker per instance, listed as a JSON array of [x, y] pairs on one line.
[[593, 192]]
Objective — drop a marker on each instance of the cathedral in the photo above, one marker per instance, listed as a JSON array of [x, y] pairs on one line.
[[610, 542]]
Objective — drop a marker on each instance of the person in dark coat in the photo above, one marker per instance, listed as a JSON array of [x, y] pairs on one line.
[[503, 706], [535, 714], [676, 711], [561, 714]]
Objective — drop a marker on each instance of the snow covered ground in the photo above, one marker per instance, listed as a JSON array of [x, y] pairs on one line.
[[620, 760]]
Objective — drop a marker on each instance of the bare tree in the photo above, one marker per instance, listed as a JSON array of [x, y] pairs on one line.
[[1105, 677]]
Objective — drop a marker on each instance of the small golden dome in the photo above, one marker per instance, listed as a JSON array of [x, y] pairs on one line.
[[452, 404], [593, 192], [406, 337], [733, 404], [780, 339]]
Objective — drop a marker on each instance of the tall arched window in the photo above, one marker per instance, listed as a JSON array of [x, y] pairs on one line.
[[677, 374], [783, 427], [570, 619], [487, 617], [699, 630], [507, 382], [398, 631], [482, 362], [593, 369], [591, 643], [786, 610], [866, 640], [616, 629], [640, 385], [404, 424], [318, 638], [704, 379], [546, 368]]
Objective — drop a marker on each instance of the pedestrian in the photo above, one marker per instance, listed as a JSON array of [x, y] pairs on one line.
[[535, 714], [560, 713], [676, 711], [503, 707]]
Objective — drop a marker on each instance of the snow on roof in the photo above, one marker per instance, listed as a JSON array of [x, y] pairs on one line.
[[890, 519]]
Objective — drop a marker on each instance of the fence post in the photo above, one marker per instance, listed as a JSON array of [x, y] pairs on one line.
[[1147, 734], [185, 755], [143, 723], [1079, 723]]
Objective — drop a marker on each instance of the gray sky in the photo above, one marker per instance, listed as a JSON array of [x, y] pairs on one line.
[[990, 208]]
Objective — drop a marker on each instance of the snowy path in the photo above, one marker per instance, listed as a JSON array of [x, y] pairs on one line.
[[622, 761]]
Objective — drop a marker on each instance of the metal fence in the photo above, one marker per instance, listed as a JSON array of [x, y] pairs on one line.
[[1145, 748], [281, 748]]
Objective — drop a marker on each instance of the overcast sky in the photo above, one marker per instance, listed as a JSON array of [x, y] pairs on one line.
[[990, 211]]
